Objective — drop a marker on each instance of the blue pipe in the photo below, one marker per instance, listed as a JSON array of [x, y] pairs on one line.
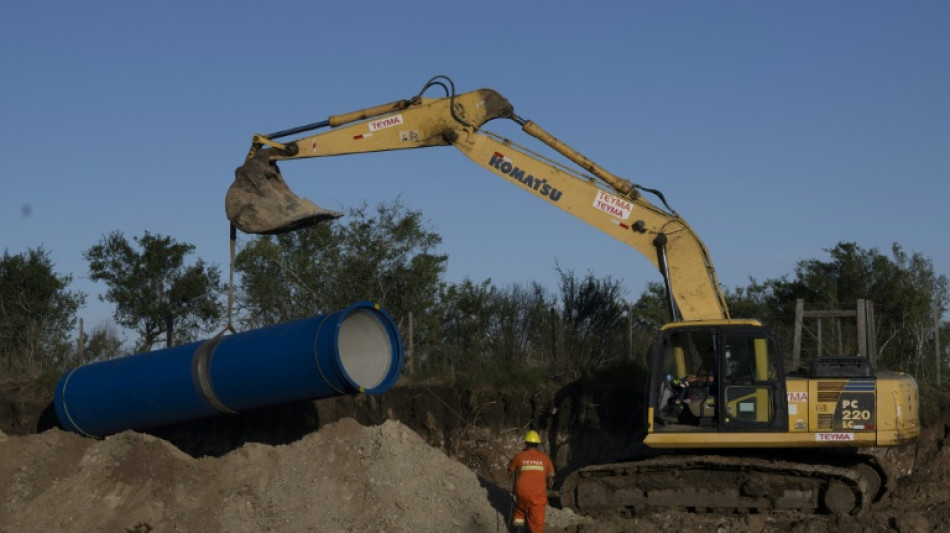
[[354, 350]]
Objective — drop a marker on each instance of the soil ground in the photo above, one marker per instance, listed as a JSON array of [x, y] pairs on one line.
[[417, 458]]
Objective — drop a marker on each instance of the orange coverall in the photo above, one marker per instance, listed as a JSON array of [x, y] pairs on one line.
[[531, 467]]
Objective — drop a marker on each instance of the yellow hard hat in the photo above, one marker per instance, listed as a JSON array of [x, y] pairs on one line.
[[532, 437]]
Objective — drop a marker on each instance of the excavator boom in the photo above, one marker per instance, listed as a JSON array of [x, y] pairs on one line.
[[259, 201]]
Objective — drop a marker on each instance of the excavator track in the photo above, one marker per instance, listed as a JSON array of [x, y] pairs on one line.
[[717, 483]]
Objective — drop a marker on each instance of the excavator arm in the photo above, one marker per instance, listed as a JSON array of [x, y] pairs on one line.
[[259, 201]]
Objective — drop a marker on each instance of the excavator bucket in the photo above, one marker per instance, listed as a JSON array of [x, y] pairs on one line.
[[259, 201]]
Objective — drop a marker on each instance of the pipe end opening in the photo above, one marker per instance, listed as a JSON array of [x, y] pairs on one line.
[[366, 349]]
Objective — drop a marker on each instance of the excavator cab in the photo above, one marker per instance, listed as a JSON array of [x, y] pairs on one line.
[[259, 201], [721, 376]]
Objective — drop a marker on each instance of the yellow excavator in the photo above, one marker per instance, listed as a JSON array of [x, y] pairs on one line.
[[737, 430]]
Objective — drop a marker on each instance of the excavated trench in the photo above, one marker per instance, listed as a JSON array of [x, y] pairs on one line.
[[584, 423]]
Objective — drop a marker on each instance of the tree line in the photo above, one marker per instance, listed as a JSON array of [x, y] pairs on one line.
[[467, 330]]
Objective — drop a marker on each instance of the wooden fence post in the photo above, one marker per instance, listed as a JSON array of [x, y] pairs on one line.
[[80, 352], [937, 358], [410, 351], [797, 340], [867, 337], [862, 329]]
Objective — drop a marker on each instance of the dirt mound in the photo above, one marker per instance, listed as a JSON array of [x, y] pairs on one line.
[[345, 477], [308, 467]]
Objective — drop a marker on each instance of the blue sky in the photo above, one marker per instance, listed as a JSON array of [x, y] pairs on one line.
[[777, 129]]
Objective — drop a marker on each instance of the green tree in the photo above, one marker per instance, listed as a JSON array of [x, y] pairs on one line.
[[926, 292], [904, 288], [651, 309], [153, 290], [521, 330], [37, 313], [103, 343], [467, 312], [593, 316], [384, 255], [501, 336], [751, 301]]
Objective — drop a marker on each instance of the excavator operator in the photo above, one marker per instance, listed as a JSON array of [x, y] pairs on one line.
[[695, 391], [533, 472]]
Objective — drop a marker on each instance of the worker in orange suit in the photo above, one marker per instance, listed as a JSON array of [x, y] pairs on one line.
[[533, 472]]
